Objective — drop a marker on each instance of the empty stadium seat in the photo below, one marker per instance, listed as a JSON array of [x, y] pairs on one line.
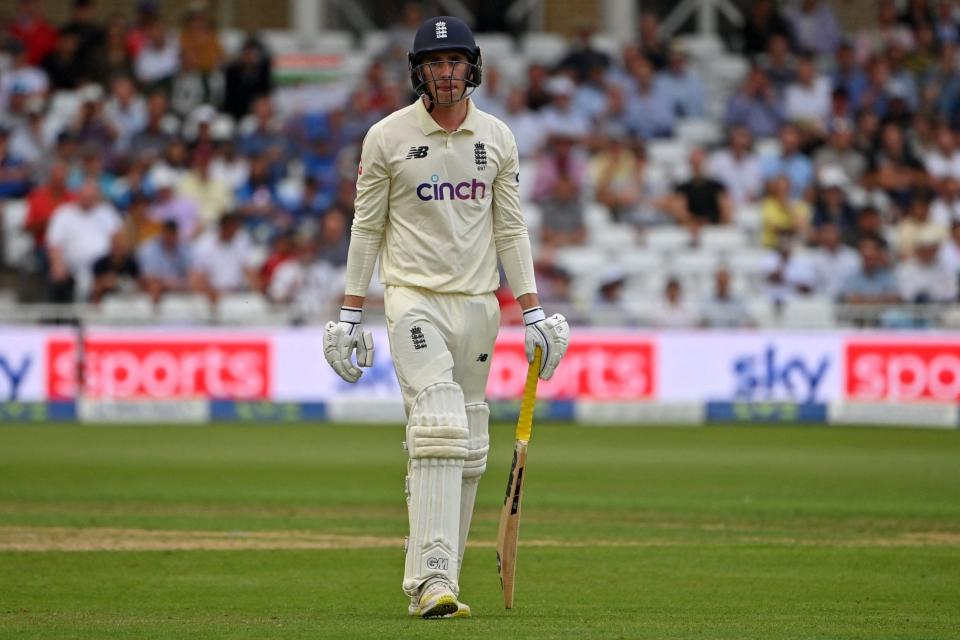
[[700, 132], [723, 239], [816, 312], [667, 239], [243, 308], [373, 43], [702, 47], [668, 153], [17, 243], [697, 264], [581, 260], [748, 217], [136, 308], [496, 47], [543, 48], [184, 308], [640, 263], [613, 237]]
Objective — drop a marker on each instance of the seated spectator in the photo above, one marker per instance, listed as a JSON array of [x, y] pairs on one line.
[[261, 132], [807, 98], [763, 22], [943, 161], [623, 183], [831, 206], [737, 167], [874, 283], [724, 310], [63, 65], [156, 134], [651, 110], [334, 237], [222, 260], [792, 163], [945, 208], [841, 153], [164, 263], [848, 75], [814, 26], [923, 278], [881, 34], [833, 261], [30, 26], [780, 212], [212, 197], [653, 45], [125, 111], [778, 64], [138, 224], [29, 139], [229, 167], [310, 203], [788, 273], [553, 283], [582, 57], [246, 78], [536, 94], [674, 311], [756, 106], [21, 78], [917, 224], [558, 187], [114, 57], [44, 200], [608, 308], [168, 205], [949, 253], [158, 59], [79, 233], [308, 284], [682, 85], [14, 172], [282, 249], [560, 114], [198, 34], [704, 201], [523, 123], [116, 272], [258, 201]]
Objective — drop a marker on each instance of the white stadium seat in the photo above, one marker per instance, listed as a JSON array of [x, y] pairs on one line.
[[543, 48], [748, 217], [373, 43], [498, 48], [668, 153], [17, 243], [613, 237], [581, 260], [695, 264], [700, 132], [135, 308], [723, 239], [640, 263], [243, 308], [809, 313], [667, 239], [184, 308]]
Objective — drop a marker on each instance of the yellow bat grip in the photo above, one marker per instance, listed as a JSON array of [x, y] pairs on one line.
[[525, 422]]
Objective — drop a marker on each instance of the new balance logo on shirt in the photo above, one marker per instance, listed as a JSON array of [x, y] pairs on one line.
[[417, 152]]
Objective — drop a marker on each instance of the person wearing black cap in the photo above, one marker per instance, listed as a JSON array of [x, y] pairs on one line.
[[438, 203]]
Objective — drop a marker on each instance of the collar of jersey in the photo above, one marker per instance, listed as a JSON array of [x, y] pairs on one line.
[[428, 125]]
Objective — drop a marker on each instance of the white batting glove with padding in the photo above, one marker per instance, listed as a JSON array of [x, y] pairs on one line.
[[551, 334], [341, 338]]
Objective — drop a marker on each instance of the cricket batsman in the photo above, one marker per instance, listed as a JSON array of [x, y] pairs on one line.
[[438, 203]]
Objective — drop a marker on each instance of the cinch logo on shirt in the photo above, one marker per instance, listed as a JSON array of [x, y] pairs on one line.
[[436, 190]]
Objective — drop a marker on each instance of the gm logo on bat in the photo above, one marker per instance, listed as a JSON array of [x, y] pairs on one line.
[[437, 190]]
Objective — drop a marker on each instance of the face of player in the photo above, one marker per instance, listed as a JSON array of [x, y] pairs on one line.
[[446, 73]]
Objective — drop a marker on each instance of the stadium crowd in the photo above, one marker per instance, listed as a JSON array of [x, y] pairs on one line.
[[152, 160]]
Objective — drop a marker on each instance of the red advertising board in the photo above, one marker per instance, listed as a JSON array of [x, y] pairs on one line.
[[902, 370], [619, 367], [157, 367]]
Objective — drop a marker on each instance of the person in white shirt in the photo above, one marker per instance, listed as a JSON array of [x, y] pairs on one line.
[[807, 99], [80, 232], [833, 261], [737, 166], [438, 203], [923, 278], [674, 311], [949, 253], [943, 161], [307, 284], [223, 260], [125, 111], [159, 57], [945, 208]]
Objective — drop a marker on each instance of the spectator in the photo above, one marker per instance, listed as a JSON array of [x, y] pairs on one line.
[[282, 249], [874, 40], [704, 201], [653, 46], [537, 94], [916, 14], [190, 87], [523, 123], [139, 226], [617, 112], [307, 283], [608, 307], [737, 167], [21, 79], [681, 85], [229, 167], [164, 262], [949, 253], [781, 212], [945, 23], [14, 172], [156, 135], [560, 114], [262, 132], [63, 66], [918, 224], [212, 197], [248, 77], [814, 26], [553, 283], [43, 201], [116, 272], [673, 310], [894, 168], [223, 260], [848, 75], [874, 283], [257, 200], [944, 160], [833, 261], [941, 86], [779, 63], [764, 22], [923, 278], [723, 309], [787, 272], [91, 127], [125, 111], [89, 35], [945, 208], [334, 238], [839, 153], [582, 58], [558, 188], [79, 233], [198, 35], [792, 163], [29, 26], [756, 106], [114, 58], [831, 206], [158, 59], [310, 204], [807, 98], [168, 205], [29, 140], [651, 110]]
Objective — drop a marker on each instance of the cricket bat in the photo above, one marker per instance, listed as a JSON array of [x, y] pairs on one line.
[[509, 532]]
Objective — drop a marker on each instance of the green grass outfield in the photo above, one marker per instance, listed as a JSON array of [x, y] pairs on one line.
[[296, 532]]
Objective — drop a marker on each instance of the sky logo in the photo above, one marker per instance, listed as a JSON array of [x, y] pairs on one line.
[[436, 190], [771, 375], [13, 372]]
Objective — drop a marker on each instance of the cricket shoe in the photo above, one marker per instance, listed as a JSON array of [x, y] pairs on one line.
[[437, 600]]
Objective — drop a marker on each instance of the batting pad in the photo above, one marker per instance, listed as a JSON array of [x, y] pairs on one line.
[[478, 419], [437, 442]]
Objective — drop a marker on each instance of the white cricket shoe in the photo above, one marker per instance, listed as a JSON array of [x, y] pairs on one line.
[[437, 600]]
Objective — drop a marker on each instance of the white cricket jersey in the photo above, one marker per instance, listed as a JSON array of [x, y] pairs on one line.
[[439, 207]]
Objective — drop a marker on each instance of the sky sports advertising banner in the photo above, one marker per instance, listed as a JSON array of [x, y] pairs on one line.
[[603, 366]]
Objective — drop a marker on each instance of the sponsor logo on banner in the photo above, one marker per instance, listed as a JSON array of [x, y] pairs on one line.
[[160, 367], [619, 367], [900, 370], [777, 373], [14, 368]]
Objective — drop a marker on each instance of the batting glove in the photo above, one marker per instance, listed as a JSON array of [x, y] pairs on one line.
[[551, 334], [341, 338]]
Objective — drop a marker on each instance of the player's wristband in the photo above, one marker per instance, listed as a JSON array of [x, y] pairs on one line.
[[533, 315], [351, 315]]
